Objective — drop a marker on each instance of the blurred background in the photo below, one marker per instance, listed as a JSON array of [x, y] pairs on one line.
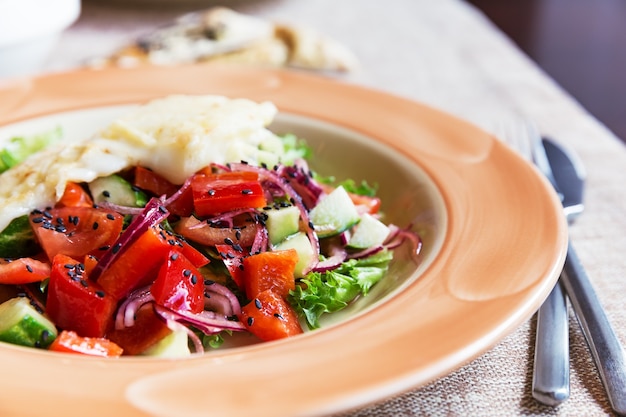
[[580, 43]]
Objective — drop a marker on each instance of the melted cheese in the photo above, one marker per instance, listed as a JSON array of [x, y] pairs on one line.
[[174, 136]]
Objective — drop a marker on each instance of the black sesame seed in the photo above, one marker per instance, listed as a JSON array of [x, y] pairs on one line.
[[29, 268], [238, 234], [106, 193], [209, 282], [47, 214], [162, 209], [37, 219], [174, 257], [246, 191], [228, 241], [250, 321], [84, 283], [94, 226], [69, 266], [257, 303], [100, 293], [278, 316], [194, 279], [237, 247], [110, 216], [211, 192], [116, 248], [106, 247], [186, 273]]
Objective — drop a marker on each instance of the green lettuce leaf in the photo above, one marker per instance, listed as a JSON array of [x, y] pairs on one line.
[[328, 292], [19, 148]]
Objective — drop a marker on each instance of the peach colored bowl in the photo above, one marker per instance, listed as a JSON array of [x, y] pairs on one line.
[[494, 244]]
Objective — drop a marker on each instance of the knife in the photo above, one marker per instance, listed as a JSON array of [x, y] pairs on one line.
[[604, 345]]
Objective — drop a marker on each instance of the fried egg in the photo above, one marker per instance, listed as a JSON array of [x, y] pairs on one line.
[[174, 136]]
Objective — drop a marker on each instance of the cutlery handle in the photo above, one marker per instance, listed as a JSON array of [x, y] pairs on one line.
[[551, 366], [605, 348]]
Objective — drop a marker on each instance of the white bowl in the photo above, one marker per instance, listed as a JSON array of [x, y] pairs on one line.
[[29, 29]]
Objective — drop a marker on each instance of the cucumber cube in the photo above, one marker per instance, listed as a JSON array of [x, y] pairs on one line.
[[369, 232], [334, 214], [282, 222], [300, 242], [21, 324], [117, 190]]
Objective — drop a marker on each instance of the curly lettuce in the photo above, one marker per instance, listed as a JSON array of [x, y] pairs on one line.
[[331, 291]]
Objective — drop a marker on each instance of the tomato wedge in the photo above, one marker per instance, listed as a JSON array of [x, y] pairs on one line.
[[269, 317], [23, 271], [74, 196], [179, 285], [71, 342], [76, 231], [220, 193], [270, 271], [75, 303], [206, 234]]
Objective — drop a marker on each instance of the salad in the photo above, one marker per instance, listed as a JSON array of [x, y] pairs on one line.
[[145, 261]]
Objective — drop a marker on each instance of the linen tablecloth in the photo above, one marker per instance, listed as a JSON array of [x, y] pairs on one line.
[[447, 54]]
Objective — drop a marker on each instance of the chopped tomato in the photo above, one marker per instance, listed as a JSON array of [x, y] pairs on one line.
[[196, 257], [90, 263], [179, 285], [220, 193], [209, 235], [75, 303], [70, 342], [76, 231], [74, 196], [147, 330], [139, 264], [270, 271], [151, 181], [269, 317], [23, 271], [183, 205], [369, 204], [233, 260], [136, 266]]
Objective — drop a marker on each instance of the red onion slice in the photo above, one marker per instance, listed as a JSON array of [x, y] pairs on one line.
[[276, 180]]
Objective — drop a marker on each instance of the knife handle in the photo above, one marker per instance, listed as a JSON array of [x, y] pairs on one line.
[[551, 366], [606, 349]]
